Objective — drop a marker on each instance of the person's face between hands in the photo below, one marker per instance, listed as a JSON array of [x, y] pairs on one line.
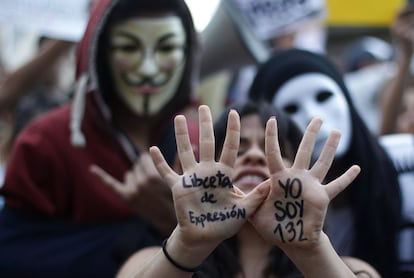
[[147, 60], [251, 168]]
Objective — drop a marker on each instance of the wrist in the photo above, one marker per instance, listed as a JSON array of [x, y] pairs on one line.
[[184, 252], [174, 262], [309, 249], [319, 260]]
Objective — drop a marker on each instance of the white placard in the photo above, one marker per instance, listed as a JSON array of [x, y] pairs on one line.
[[267, 18], [61, 19]]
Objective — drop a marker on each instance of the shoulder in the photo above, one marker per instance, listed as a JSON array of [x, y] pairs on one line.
[[360, 267], [55, 117], [51, 124], [138, 258]]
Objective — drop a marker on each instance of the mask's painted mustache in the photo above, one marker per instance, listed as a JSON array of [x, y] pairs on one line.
[[145, 82]]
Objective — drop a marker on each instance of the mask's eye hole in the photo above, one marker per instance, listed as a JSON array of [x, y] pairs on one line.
[[291, 108], [322, 96]]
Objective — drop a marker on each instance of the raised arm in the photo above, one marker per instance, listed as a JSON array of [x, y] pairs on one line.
[[392, 94], [293, 215], [208, 208], [33, 73]]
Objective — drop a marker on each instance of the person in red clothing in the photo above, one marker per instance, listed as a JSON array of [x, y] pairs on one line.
[[136, 67]]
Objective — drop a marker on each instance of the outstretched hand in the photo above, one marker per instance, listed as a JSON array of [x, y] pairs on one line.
[[293, 214], [145, 192], [208, 208], [402, 31]]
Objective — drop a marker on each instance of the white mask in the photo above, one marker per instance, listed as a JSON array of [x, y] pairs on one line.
[[315, 94], [147, 61]]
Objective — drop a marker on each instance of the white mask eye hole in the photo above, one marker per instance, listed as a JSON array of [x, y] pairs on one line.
[[323, 96], [291, 108], [305, 96]]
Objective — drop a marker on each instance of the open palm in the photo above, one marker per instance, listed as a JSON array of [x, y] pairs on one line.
[[208, 207], [293, 214]]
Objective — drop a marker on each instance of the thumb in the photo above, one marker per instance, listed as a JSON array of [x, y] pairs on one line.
[[256, 197]]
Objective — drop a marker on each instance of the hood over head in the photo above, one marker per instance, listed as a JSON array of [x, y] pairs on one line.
[[93, 72], [284, 65], [287, 64], [374, 196]]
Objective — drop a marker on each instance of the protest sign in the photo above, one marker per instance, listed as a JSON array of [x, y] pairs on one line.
[[268, 18]]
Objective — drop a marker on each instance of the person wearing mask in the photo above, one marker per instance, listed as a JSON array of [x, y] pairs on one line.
[[257, 192], [136, 67], [364, 221]]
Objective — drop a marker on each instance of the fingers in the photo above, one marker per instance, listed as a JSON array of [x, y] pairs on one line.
[[162, 166], [184, 148], [106, 178], [272, 149], [207, 144], [232, 140], [338, 185], [403, 23], [144, 173], [147, 165], [324, 162], [256, 197], [304, 154]]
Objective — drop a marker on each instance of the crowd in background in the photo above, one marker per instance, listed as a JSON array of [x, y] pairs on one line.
[[75, 139]]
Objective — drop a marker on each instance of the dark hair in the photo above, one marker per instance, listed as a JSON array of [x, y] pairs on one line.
[[224, 261], [124, 9], [288, 132], [375, 196]]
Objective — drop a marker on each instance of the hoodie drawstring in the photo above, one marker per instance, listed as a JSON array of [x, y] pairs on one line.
[[78, 108]]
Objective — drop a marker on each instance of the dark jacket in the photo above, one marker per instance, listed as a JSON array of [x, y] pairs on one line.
[[59, 219]]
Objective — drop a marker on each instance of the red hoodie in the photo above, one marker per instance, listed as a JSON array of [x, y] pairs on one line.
[[47, 175], [60, 220]]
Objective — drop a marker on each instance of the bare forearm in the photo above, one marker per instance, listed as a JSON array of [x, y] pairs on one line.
[[321, 261], [157, 266], [391, 98], [28, 76], [392, 94], [186, 255]]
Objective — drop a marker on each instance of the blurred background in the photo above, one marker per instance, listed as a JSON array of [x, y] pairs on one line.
[[22, 21]]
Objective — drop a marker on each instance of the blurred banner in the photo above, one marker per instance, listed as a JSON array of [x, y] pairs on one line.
[[366, 13], [241, 31], [61, 19], [268, 18]]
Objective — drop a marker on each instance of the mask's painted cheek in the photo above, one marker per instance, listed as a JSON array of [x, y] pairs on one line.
[[123, 65]]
